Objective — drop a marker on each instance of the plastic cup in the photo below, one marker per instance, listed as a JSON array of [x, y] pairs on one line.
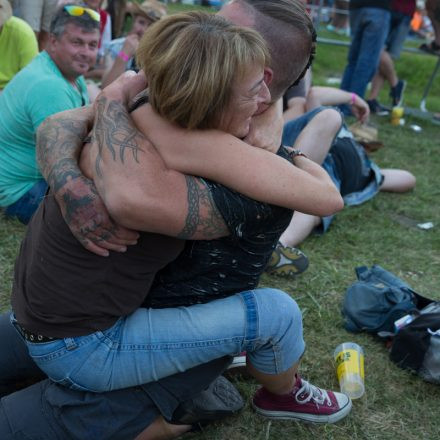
[[396, 115], [349, 358]]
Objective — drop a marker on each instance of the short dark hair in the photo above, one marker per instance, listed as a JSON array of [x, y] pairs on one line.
[[288, 30], [62, 18]]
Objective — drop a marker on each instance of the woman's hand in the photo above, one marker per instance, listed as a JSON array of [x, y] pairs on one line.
[[266, 129], [360, 108]]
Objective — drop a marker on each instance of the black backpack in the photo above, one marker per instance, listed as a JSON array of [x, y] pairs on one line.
[[417, 346]]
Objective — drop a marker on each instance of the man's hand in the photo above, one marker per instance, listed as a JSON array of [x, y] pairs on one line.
[[59, 142], [266, 129], [88, 219], [125, 88]]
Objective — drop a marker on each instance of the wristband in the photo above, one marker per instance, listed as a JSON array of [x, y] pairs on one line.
[[294, 153], [124, 56], [353, 98]]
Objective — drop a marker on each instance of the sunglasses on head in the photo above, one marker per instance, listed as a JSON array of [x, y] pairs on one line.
[[77, 11]]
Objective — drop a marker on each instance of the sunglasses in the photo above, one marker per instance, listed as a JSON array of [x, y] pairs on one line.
[[77, 11]]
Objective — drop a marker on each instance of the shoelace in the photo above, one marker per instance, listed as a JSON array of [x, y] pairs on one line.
[[312, 393]]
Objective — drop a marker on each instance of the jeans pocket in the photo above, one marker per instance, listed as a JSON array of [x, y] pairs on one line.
[[68, 382]]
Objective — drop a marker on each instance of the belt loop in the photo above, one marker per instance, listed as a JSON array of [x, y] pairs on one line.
[[70, 343]]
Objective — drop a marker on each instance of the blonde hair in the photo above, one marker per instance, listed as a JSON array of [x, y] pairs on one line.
[[191, 61]]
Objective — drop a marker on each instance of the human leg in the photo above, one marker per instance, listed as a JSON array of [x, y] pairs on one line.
[[313, 133], [365, 50], [296, 108], [25, 206], [356, 31], [150, 337], [317, 137], [47, 410], [433, 10], [385, 72], [16, 366], [397, 180], [300, 227]]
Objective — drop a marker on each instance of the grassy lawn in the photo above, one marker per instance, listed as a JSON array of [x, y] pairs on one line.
[[397, 404]]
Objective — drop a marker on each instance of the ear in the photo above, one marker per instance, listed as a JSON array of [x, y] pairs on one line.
[[268, 75], [52, 40]]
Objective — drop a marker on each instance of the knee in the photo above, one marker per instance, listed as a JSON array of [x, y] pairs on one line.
[[410, 181], [330, 120], [281, 309]]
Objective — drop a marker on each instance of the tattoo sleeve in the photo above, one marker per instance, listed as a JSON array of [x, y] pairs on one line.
[[59, 142], [115, 131], [203, 219]]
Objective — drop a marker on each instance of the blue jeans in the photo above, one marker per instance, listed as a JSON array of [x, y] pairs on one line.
[[151, 344], [369, 29], [26, 205]]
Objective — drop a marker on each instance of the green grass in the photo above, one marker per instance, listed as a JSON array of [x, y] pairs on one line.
[[413, 67], [397, 404]]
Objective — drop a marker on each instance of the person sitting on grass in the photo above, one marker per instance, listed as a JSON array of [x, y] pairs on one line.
[[119, 53], [286, 259], [356, 176], [18, 44], [52, 82]]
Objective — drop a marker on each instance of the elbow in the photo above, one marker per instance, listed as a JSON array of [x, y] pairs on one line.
[[332, 204], [338, 203]]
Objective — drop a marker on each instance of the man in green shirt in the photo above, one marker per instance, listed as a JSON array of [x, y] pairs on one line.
[[51, 83]]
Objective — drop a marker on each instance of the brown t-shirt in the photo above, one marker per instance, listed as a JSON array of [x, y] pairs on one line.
[[62, 290]]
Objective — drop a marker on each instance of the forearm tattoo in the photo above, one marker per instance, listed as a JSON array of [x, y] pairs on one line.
[[203, 219], [59, 141], [114, 131]]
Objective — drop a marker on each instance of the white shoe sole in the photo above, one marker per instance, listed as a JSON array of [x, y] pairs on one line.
[[304, 417]]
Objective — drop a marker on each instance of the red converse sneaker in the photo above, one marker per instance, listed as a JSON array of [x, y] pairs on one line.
[[306, 402]]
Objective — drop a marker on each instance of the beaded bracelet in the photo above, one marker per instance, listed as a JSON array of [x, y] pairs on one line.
[[123, 56], [353, 98]]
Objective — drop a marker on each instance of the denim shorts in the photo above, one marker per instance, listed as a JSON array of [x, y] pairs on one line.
[[399, 29], [151, 344], [355, 198]]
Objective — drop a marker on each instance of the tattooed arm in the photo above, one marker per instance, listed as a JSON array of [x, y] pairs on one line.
[[137, 187], [140, 189], [59, 143]]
